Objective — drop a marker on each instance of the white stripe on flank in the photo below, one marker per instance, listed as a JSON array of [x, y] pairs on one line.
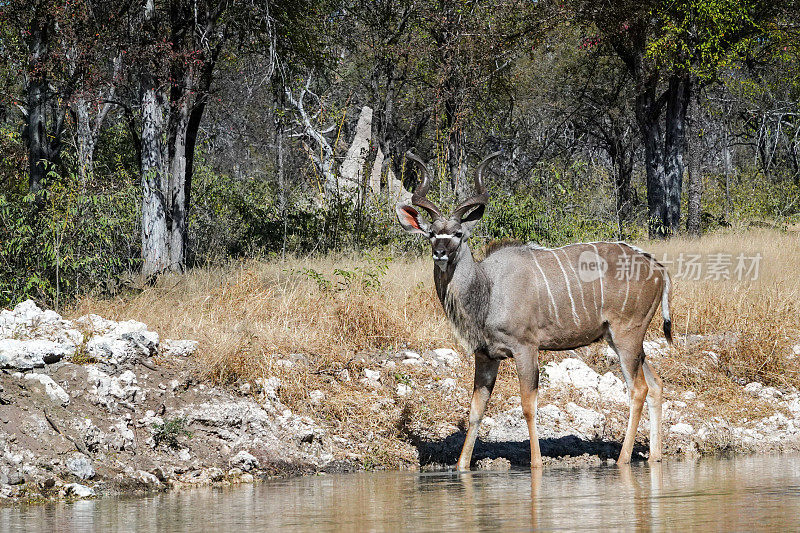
[[547, 284], [575, 316], [580, 285], [602, 296], [627, 277]]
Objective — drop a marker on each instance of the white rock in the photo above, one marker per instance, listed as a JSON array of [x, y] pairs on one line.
[[373, 375], [80, 466], [508, 426], [796, 349], [150, 419], [244, 460], [27, 309], [411, 362], [179, 348], [27, 321], [302, 428], [28, 354], [285, 363], [53, 390], [689, 395], [81, 491], [121, 437], [681, 428], [574, 373], [403, 390], [270, 388], [587, 423], [571, 372], [316, 396], [769, 393], [447, 356], [146, 477], [712, 355], [447, 384], [123, 342], [408, 354], [552, 412], [611, 388], [753, 388], [370, 383], [656, 347], [184, 455], [109, 390]]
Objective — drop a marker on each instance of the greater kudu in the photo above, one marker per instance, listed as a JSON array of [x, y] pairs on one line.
[[524, 298]]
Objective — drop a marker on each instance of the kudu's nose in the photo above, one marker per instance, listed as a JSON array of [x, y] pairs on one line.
[[439, 255]]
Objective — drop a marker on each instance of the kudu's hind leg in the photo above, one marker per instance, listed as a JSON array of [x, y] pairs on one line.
[[631, 358], [654, 399], [528, 372], [485, 376]]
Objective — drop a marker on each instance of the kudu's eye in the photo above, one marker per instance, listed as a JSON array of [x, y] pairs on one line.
[[459, 234]]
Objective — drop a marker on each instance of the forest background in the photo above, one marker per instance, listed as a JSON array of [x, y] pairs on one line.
[[139, 138]]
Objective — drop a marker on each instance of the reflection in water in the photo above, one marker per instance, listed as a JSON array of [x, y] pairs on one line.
[[738, 494]]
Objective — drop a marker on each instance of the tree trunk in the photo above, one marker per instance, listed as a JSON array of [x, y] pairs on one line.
[[86, 141], [727, 165], [177, 148], [622, 161], [88, 128], [457, 166], [155, 242], [281, 181], [647, 115], [36, 127], [679, 92], [695, 189], [663, 153]]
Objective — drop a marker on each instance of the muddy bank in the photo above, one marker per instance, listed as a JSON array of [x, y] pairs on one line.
[[93, 407]]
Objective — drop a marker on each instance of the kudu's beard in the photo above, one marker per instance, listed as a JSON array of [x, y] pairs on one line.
[[442, 263]]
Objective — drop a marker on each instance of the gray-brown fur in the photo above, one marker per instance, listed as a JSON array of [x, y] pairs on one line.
[[523, 298]]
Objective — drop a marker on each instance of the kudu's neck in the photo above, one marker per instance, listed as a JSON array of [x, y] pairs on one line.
[[461, 272], [463, 290]]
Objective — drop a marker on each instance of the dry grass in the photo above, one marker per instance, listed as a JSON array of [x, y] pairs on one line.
[[249, 315], [751, 324]]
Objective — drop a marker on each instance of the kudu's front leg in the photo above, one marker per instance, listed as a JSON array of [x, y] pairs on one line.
[[485, 376]]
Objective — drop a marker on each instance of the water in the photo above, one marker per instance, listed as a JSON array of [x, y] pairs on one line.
[[741, 494]]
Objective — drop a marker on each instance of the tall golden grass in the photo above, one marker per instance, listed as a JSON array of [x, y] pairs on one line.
[[339, 312], [753, 324]]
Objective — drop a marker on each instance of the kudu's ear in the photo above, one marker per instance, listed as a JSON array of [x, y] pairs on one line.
[[469, 220], [410, 220]]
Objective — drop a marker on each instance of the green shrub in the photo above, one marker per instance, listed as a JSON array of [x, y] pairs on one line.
[[170, 432], [68, 241]]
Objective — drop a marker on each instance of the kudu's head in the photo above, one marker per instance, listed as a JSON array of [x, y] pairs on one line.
[[447, 234]]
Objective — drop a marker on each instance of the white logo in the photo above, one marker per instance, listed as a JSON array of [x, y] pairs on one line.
[[591, 266]]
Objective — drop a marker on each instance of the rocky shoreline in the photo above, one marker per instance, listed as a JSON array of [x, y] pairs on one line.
[[92, 407]]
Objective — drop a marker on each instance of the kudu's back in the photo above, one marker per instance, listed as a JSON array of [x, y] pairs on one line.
[[567, 297]]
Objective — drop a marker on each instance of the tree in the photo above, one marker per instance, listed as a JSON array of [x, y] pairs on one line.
[[669, 48], [181, 41]]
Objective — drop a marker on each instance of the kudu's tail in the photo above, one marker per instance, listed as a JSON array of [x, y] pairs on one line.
[[665, 295]]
